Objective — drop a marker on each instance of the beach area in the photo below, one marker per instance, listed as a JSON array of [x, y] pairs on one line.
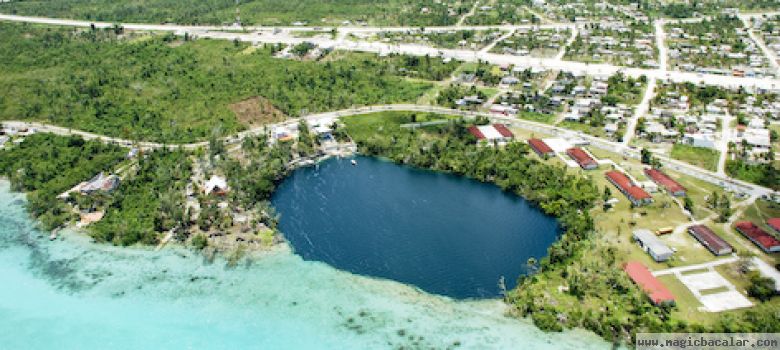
[[71, 293]]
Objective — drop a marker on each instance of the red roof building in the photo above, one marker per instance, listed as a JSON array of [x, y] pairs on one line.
[[659, 177], [649, 284], [502, 129], [495, 132], [541, 148], [635, 194], [710, 240], [774, 223], [582, 158], [759, 237]]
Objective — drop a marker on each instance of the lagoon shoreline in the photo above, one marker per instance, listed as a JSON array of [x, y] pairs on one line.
[[176, 281]]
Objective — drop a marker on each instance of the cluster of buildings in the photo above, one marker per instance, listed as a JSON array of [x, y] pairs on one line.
[[534, 42], [769, 30], [673, 120], [617, 42], [709, 52], [450, 39], [14, 135], [492, 134], [584, 99]]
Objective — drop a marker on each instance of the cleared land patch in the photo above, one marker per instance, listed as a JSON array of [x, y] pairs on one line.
[[256, 111]]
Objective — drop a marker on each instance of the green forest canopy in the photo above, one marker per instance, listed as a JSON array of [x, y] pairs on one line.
[[162, 89], [259, 12]]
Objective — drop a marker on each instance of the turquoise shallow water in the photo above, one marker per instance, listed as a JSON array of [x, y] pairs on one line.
[[70, 294]]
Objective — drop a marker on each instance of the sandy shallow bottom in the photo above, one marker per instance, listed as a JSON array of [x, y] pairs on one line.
[[71, 294]]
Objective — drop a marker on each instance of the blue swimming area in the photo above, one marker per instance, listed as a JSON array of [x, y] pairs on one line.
[[445, 234], [74, 294]]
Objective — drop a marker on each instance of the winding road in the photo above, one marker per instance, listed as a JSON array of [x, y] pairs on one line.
[[606, 145], [283, 35]]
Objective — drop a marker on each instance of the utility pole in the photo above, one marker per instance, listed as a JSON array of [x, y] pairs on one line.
[[238, 13]]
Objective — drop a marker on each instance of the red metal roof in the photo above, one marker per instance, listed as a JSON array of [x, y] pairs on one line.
[[620, 179], [709, 238], [540, 146], [759, 236], [651, 285], [582, 158], [474, 130], [664, 180], [501, 128], [774, 223], [638, 193], [627, 186]]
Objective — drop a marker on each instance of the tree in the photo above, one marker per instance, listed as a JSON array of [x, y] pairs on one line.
[[761, 288], [647, 156], [688, 204], [199, 241]]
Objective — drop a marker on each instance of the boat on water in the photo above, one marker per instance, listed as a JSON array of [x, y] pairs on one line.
[[354, 162]]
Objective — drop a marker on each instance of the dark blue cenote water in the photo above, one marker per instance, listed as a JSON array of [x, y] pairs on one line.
[[445, 234]]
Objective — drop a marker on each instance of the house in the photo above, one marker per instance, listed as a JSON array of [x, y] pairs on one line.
[[582, 158], [659, 177], [774, 223], [217, 185], [654, 289], [651, 244], [700, 140], [100, 182], [634, 193], [502, 109], [495, 132], [710, 240], [759, 237], [541, 148]]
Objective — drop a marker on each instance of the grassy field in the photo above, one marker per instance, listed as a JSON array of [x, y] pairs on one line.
[[168, 90], [365, 125], [702, 157]]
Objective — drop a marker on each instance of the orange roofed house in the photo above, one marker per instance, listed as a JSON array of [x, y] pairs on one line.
[[758, 236], [492, 133], [660, 178], [634, 193], [541, 148], [582, 158], [654, 289]]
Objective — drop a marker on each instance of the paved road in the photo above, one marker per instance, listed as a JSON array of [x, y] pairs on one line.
[[660, 42], [707, 266], [770, 55], [723, 146], [216, 32], [641, 109], [610, 146]]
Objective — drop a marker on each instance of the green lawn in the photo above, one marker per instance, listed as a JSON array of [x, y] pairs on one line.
[[365, 125], [702, 157]]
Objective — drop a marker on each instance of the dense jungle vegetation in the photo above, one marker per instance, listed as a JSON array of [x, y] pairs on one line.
[[161, 88]]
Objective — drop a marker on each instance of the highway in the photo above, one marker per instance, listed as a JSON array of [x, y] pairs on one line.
[[257, 35], [269, 35], [720, 180]]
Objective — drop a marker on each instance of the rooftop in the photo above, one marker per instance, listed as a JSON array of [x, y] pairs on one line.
[[651, 285]]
